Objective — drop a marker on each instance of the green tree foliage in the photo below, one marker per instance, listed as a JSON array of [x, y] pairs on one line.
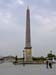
[[39, 58], [50, 56]]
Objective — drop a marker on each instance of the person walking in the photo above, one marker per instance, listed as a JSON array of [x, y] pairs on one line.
[[50, 63]]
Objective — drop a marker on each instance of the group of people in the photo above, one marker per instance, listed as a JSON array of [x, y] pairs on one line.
[[49, 64]]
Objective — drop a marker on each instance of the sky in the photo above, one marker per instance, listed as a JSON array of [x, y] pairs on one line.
[[13, 27]]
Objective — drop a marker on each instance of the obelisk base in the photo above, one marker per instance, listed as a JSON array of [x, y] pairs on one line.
[[28, 55]]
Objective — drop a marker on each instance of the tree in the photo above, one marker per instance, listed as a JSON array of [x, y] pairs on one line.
[[50, 55]]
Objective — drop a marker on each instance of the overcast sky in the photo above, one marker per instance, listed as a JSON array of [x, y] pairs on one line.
[[13, 22]]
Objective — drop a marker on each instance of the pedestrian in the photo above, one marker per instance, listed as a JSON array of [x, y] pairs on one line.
[[50, 63]]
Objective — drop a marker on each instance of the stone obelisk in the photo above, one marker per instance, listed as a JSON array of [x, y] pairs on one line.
[[28, 51]]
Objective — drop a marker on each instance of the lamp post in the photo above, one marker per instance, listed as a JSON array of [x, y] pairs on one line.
[[23, 56]]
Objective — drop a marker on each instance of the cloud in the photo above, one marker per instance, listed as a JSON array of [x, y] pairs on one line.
[[11, 27], [20, 2], [47, 23], [43, 19]]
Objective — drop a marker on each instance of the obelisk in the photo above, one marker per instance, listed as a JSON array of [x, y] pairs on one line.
[[28, 51]]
